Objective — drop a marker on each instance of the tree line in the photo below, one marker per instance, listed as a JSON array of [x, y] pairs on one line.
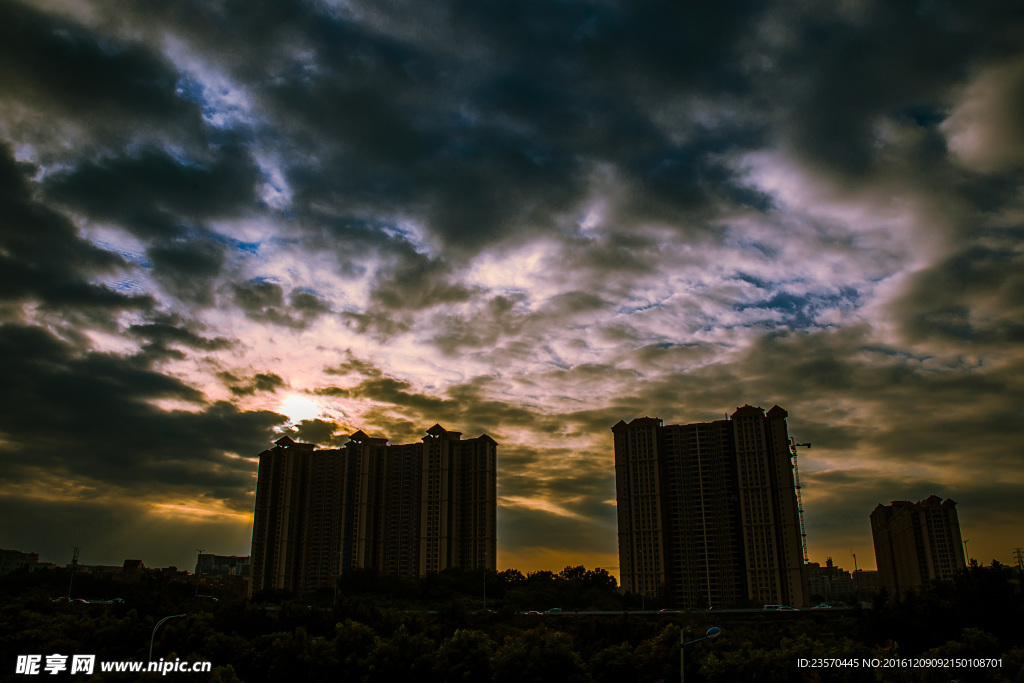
[[438, 629]]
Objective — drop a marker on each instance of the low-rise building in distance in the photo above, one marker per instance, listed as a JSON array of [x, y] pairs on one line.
[[13, 560]]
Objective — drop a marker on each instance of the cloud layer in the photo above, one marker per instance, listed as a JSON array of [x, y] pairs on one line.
[[226, 220]]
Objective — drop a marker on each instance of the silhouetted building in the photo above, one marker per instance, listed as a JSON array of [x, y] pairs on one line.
[[110, 569], [828, 583], [916, 543], [169, 574], [866, 581], [405, 510], [133, 570], [208, 564], [13, 560], [707, 512]]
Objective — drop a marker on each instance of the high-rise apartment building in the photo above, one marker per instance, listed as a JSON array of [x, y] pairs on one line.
[[707, 512], [916, 543], [405, 510]]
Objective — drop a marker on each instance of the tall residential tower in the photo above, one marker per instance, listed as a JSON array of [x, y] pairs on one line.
[[405, 510], [916, 543], [707, 512]]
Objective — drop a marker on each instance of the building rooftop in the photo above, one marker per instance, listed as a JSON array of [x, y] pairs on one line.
[[748, 409], [641, 421]]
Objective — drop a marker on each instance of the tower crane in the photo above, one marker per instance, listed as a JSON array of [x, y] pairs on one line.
[[793, 445]]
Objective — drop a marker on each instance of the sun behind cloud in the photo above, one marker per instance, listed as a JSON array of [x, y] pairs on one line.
[[299, 408]]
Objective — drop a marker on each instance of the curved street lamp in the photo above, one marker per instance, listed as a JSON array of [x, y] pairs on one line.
[[158, 625], [712, 632]]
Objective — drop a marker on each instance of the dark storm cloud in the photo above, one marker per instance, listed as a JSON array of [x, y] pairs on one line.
[[324, 433], [619, 250], [245, 35], [474, 406], [265, 302], [498, 138], [258, 383], [466, 407], [469, 198], [974, 297], [164, 200], [393, 391], [495, 140], [841, 69], [167, 331], [503, 318], [374, 110], [986, 129], [582, 482], [910, 403], [91, 415], [307, 304], [418, 283], [44, 259], [483, 329], [188, 269], [163, 337], [156, 195], [828, 362], [59, 67], [352, 365]]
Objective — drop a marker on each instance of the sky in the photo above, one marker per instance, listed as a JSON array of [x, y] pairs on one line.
[[223, 221]]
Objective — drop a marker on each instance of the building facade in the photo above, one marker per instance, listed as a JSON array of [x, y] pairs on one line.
[[707, 512], [404, 510], [866, 581], [13, 560], [208, 564], [916, 543], [829, 583]]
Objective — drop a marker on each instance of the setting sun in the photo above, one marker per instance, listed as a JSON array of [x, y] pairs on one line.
[[299, 408]]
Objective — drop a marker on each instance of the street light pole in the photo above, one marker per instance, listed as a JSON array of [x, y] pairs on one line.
[[74, 567], [199, 555], [153, 637], [712, 632]]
